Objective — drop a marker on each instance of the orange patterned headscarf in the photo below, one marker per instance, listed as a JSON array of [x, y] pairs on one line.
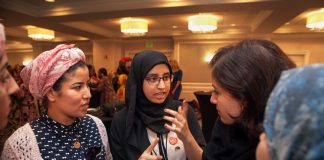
[[41, 74]]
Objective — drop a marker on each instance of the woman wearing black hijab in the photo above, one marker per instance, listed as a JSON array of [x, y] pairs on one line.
[[138, 125]]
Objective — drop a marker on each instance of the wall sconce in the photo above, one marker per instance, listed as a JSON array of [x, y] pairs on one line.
[[26, 62], [208, 57], [315, 20], [134, 26], [40, 34], [202, 23]]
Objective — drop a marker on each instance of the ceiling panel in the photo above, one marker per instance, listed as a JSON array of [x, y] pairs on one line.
[[99, 19]]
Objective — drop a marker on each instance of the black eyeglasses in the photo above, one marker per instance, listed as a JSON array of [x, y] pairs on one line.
[[155, 80]]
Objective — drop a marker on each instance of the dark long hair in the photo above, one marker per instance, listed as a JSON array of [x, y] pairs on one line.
[[249, 71]]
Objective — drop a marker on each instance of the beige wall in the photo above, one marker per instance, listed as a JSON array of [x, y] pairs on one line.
[[133, 46], [21, 51], [313, 46], [19, 57], [106, 53], [196, 73]]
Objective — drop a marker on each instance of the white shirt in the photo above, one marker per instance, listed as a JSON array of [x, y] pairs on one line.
[[175, 150]]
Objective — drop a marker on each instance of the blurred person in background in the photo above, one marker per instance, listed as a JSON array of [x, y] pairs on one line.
[[93, 85], [108, 94], [176, 86]]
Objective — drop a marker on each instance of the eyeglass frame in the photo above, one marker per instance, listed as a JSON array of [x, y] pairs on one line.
[[166, 82]]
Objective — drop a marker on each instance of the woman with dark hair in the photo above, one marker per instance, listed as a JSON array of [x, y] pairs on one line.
[[93, 85], [108, 94], [59, 77], [176, 86], [243, 75], [8, 86], [134, 129]]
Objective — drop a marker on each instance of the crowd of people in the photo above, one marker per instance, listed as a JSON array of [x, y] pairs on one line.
[[268, 108]]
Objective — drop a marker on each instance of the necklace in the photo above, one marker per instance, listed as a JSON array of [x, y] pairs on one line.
[[77, 144]]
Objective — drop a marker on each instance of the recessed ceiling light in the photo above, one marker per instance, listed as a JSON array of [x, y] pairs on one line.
[[50, 0], [233, 24], [174, 27]]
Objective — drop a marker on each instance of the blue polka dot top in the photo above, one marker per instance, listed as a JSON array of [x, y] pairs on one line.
[[81, 140]]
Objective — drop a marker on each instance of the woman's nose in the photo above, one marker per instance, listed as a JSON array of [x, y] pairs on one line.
[[86, 93], [12, 86], [162, 84], [213, 98]]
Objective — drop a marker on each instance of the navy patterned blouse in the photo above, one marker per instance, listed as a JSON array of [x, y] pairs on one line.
[[81, 140]]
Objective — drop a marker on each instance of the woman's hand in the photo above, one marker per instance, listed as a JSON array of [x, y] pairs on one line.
[[180, 120], [147, 153]]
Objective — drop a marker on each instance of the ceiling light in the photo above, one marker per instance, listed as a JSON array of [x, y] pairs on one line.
[[50, 0], [202, 23], [315, 20], [133, 26], [40, 34]]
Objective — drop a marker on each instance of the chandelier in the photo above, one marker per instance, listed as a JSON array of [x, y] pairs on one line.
[[315, 20], [133, 26], [202, 23], [40, 34]]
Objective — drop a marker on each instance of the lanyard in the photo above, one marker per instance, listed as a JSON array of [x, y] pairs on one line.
[[163, 148]]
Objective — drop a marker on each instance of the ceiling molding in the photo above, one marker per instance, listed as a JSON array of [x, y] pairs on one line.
[[280, 15], [20, 6]]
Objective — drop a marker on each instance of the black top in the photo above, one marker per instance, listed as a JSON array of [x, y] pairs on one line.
[[132, 147], [229, 142]]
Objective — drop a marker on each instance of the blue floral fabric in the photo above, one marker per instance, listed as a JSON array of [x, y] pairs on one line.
[[56, 141], [294, 118]]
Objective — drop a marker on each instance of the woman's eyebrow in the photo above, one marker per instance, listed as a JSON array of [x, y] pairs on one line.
[[78, 83], [152, 74]]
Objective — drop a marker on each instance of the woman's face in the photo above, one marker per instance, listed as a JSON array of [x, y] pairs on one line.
[[7, 87], [262, 152], [72, 100], [156, 85], [227, 106]]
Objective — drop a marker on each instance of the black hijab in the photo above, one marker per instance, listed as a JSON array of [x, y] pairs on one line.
[[151, 114]]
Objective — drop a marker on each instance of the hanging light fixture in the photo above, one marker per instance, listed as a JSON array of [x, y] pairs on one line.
[[315, 20], [40, 34], [133, 26], [202, 23]]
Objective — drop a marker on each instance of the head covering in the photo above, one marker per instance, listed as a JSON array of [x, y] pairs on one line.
[[126, 59], [151, 114], [294, 119], [2, 40], [41, 74]]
